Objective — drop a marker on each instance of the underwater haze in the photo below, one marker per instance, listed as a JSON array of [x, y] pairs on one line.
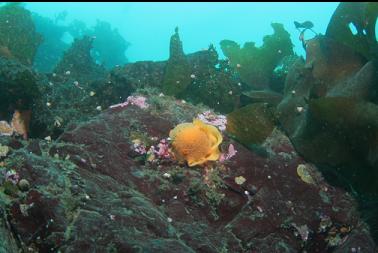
[[148, 26], [188, 127]]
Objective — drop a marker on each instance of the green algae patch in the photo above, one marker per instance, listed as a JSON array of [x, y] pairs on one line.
[[251, 124], [256, 64], [361, 15]]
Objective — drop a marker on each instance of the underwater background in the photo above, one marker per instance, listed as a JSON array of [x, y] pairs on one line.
[[201, 23], [188, 127]]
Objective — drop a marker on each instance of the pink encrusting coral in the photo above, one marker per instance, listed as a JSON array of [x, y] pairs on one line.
[[139, 147], [230, 153], [208, 117], [139, 101], [163, 149]]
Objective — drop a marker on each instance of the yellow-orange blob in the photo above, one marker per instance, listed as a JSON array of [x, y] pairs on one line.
[[5, 128], [196, 142]]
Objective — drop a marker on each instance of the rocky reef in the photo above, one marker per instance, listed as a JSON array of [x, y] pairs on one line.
[[52, 47], [18, 87], [18, 37], [58, 36], [105, 35], [177, 72], [93, 185], [77, 62], [96, 171]]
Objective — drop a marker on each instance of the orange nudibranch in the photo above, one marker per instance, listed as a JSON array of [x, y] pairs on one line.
[[196, 142]]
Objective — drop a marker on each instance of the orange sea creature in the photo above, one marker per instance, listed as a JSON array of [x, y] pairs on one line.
[[20, 122], [196, 142]]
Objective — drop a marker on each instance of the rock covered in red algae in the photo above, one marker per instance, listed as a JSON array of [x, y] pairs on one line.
[[89, 188]]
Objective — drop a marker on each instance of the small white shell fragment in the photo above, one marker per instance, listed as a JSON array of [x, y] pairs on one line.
[[299, 108], [166, 175], [240, 180], [304, 172]]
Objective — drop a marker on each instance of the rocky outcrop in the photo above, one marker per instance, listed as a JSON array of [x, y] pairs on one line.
[[91, 190]]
